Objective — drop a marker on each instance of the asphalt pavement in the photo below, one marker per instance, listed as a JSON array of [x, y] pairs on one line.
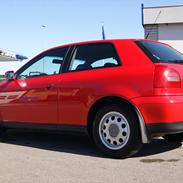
[[27, 157]]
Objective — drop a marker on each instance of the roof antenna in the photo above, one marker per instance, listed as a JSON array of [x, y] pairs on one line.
[[153, 24], [103, 31]]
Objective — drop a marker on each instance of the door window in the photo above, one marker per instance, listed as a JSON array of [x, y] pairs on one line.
[[48, 63]]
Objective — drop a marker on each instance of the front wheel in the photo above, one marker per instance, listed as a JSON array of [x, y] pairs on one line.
[[116, 131]]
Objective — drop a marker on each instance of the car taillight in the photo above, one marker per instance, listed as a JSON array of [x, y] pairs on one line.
[[165, 77]]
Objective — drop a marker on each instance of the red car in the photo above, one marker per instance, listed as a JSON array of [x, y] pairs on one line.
[[121, 92]]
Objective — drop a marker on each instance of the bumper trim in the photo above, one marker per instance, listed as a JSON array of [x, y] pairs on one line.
[[160, 129]]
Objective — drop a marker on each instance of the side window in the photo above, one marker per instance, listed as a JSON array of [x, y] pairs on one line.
[[48, 63], [93, 56]]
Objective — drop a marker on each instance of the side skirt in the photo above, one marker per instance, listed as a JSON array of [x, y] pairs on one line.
[[44, 127]]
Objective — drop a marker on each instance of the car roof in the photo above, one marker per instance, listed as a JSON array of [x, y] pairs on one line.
[[96, 41]]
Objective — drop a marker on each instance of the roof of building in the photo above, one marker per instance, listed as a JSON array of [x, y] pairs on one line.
[[6, 55], [163, 14], [168, 6]]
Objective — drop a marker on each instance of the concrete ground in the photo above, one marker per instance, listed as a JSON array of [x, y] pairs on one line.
[[52, 158]]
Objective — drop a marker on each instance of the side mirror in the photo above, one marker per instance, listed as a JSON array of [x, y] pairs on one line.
[[9, 75]]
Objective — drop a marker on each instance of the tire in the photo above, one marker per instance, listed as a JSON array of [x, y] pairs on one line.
[[178, 137], [116, 131]]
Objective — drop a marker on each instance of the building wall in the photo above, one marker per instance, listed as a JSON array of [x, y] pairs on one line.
[[164, 14], [170, 31], [151, 32], [166, 25], [171, 34]]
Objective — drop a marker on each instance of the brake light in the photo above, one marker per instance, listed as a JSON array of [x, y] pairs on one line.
[[166, 78]]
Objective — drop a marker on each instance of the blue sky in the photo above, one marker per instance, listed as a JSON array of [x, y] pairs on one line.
[[67, 21]]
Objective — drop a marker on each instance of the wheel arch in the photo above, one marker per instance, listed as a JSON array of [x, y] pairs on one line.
[[108, 100]]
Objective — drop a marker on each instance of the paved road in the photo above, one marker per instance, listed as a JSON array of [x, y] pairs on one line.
[[52, 158]]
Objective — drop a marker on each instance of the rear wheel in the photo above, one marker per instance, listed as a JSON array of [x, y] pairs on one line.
[[178, 137], [116, 131]]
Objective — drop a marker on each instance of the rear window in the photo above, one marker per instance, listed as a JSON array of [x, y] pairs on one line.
[[160, 53]]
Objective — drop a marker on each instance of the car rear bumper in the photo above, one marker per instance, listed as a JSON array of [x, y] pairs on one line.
[[161, 114], [160, 129]]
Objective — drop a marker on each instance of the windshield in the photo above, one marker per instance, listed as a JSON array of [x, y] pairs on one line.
[[159, 52]]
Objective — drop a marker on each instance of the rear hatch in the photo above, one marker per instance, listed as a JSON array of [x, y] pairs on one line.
[[168, 74]]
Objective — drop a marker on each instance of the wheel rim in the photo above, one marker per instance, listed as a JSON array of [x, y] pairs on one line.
[[114, 130]]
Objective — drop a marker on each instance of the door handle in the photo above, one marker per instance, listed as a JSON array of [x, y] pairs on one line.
[[49, 87]]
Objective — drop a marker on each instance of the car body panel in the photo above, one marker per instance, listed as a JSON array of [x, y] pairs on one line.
[[160, 109], [78, 94], [67, 98], [30, 100]]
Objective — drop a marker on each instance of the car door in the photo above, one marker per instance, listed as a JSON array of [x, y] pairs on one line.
[[32, 97], [85, 74]]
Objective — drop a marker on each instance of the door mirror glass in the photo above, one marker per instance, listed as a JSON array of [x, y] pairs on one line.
[[9, 75]]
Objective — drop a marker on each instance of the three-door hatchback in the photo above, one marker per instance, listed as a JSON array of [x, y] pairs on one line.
[[121, 92]]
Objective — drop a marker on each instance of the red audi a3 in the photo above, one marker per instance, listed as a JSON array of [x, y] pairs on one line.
[[121, 92]]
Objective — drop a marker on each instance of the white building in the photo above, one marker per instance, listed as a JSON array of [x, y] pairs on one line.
[[165, 24], [6, 55], [10, 61]]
